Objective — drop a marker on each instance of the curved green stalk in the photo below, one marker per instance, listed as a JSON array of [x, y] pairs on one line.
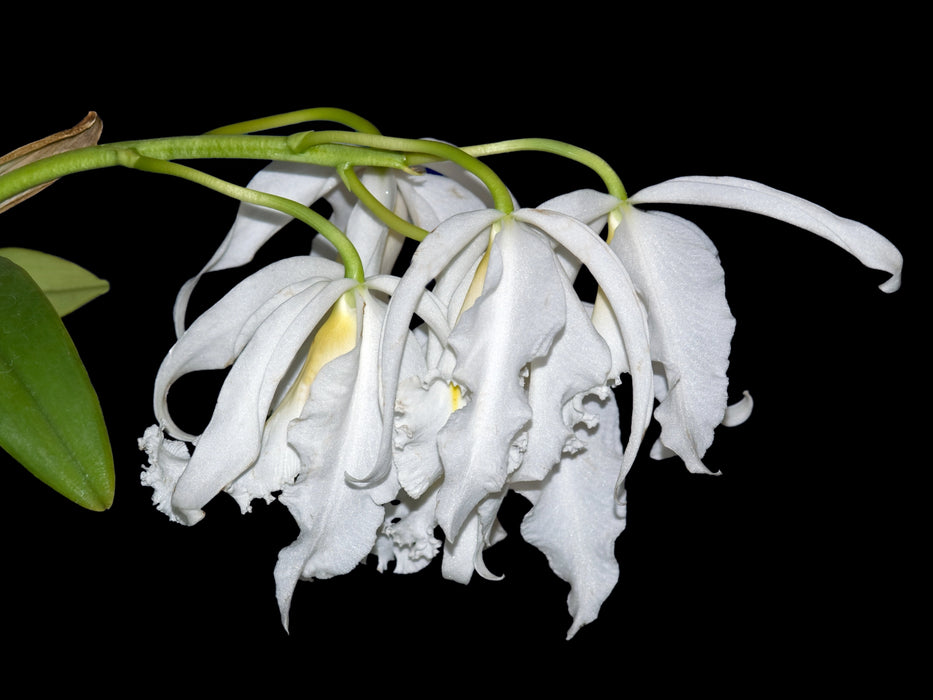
[[392, 220], [53, 167], [352, 263], [328, 114], [580, 155], [311, 140]]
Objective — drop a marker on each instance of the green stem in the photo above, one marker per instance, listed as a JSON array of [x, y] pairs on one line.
[[591, 160], [328, 114], [391, 219], [502, 199], [189, 147], [352, 263]]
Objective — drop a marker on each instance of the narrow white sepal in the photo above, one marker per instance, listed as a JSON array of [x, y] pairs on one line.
[[866, 244]]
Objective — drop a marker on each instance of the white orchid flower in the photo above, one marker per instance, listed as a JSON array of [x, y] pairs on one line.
[[392, 415], [677, 270], [295, 413], [521, 357]]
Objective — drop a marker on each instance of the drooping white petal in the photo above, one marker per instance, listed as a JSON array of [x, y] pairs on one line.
[[428, 260], [218, 335], [628, 313], [254, 225], [587, 205], [676, 268], [577, 364], [576, 517], [339, 521], [738, 413], [511, 325], [867, 245], [432, 198], [232, 440], [369, 234], [481, 529]]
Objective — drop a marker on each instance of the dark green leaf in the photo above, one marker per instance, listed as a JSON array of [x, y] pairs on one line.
[[50, 417]]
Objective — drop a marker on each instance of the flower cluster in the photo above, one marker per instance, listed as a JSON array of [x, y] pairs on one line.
[[392, 411]]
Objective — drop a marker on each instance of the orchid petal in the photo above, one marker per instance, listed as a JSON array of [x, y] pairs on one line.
[[431, 257], [422, 408], [578, 363], [481, 529], [628, 311], [339, 521], [738, 413], [217, 337], [232, 440], [370, 236], [589, 206], [513, 323], [575, 520], [432, 198], [868, 246], [254, 225], [677, 270], [167, 462]]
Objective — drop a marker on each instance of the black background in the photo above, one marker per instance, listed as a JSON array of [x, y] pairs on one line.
[[795, 566]]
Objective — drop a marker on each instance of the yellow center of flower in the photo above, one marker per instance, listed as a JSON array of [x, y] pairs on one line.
[[456, 396], [335, 337], [479, 277]]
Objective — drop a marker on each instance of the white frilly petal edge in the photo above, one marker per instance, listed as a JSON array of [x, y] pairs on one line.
[[576, 514], [167, 461], [428, 260], [616, 283], [231, 442]]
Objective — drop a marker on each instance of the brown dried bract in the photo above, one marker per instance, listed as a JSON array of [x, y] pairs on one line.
[[84, 133]]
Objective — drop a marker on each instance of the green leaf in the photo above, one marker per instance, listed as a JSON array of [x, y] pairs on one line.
[[50, 417], [68, 286]]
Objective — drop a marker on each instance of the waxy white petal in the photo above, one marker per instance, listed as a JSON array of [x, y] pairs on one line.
[[217, 337], [512, 324], [339, 521], [254, 225], [231, 442], [377, 246], [430, 258], [866, 244], [464, 555], [576, 517], [578, 363], [628, 311], [676, 268], [433, 198]]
